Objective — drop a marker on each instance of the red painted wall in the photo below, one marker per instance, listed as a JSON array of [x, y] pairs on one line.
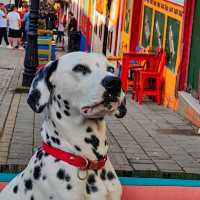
[[136, 23], [186, 43]]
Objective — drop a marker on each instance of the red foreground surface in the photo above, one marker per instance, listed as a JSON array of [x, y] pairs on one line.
[[156, 192], [160, 193]]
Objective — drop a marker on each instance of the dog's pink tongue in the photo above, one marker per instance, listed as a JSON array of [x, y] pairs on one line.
[[85, 109]]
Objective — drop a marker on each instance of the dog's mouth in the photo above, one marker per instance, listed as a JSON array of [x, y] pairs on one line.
[[108, 105]]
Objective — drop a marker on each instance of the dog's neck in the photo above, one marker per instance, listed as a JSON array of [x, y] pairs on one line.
[[75, 134]]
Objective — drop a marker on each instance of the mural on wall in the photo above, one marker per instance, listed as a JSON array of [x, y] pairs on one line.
[[147, 24], [172, 38], [127, 16], [158, 30]]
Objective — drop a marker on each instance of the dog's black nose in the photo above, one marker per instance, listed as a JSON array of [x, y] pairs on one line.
[[112, 84]]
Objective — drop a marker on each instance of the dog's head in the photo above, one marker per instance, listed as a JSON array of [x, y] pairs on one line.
[[85, 81]]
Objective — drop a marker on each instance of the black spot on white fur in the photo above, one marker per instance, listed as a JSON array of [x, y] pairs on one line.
[[47, 136], [91, 179], [97, 154], [59, 105], [39, 154], [106, 143], [59, 96], [61, 174], [53, 124], [66, 102], [55, 140], [103, 174], [15, 189], [67, 177], [89, 130], [67, 107], [77, 148], [91, 188], [110, 176], [28, 184], [58, 114], [37, 172], [56, 132], [69, 187], [93, 140], [66, 113]]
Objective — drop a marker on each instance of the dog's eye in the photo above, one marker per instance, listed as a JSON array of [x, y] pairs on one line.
[[111, 69], [82, 68]]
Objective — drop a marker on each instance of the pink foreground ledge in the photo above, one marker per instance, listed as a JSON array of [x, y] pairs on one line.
[[156, 192]]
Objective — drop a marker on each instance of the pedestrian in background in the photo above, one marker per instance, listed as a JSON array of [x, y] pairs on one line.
[[26, 21], [3, 25], [14, 24], [61, 28], [72, 26]]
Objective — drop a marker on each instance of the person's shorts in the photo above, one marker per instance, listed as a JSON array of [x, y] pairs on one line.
[[14, 33]]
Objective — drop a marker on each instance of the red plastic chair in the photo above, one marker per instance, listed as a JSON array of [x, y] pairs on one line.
[[140, 58], [150, 80]]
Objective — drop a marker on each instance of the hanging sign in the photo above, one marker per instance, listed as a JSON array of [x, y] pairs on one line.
[[101, 6], [114, 12]]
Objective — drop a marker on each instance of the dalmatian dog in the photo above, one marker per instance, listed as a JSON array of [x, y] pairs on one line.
[[76, 92]]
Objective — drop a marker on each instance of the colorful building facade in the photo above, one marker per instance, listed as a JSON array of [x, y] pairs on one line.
[[122, 25], [162, 23]]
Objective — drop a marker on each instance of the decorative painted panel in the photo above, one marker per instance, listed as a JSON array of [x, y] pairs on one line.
[[172, 39], [158, 31], [147, 24], [127, 18]]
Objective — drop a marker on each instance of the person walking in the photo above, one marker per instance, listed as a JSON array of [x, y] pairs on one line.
[[26, 21], [73, 35], [61, 28], [72, 26], [14, 24], [3, 25]]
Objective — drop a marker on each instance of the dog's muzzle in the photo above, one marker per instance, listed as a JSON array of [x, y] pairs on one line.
[[112, 100]]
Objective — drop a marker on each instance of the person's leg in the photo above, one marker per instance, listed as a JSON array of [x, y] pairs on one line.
[[1, 35], [10, 37], [58, 39], [5, 36]]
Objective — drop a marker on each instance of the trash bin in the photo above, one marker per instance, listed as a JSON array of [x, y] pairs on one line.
[[74, 41]]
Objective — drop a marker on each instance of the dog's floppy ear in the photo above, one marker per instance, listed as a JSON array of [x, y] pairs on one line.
[[122, 110], [41, 87]]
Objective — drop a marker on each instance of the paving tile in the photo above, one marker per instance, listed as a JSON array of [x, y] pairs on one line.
[[144, 167]]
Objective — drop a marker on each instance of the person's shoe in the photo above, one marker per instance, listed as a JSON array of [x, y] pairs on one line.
[[9, 47], [16, 47], [1, 46], [21, 48]]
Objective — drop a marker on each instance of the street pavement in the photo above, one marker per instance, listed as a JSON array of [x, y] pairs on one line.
[[151, 141]]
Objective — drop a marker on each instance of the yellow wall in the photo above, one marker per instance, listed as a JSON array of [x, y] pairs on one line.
[[170, 77]]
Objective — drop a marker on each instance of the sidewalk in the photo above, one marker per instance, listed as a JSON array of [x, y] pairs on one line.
[[151, 141]]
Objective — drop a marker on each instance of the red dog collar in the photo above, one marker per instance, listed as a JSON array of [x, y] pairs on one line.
[[77, 161]]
